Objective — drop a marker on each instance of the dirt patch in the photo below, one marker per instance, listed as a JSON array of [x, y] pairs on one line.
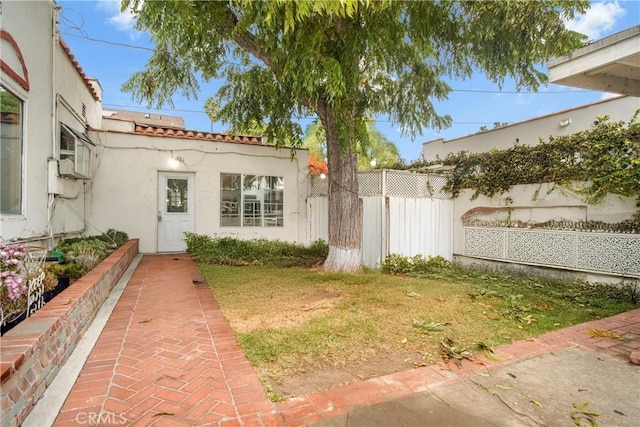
[[310, 303], [326, 377], [313, 303]]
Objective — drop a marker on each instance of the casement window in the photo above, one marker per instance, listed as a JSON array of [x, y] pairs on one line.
[[12, 147], [74, 152], [251, 200]]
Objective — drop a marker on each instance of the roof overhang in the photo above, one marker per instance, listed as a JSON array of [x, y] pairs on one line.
[[609, 65]]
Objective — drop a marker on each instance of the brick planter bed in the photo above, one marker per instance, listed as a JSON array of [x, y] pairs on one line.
[[32, 353]]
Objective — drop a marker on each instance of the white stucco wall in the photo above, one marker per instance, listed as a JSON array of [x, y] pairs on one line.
[[124, 192], [533, 203], [54, 85], [529, 132], [29, 23]]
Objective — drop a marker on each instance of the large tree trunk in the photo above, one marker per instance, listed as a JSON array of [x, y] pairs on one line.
[[345, 208]]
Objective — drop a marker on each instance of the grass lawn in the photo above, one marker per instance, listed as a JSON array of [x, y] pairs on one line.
[[301, 328]]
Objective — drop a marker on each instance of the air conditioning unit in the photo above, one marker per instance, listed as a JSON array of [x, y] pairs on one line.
[[66, 167]]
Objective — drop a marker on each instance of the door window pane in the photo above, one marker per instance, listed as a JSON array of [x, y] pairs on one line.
[[230, 199], [177, 195], [10, 153]]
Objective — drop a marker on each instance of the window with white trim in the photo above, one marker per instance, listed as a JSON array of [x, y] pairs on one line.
[[11, 150], [74, 152], [251, 200]]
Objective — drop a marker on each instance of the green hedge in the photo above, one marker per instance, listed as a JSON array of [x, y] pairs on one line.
[[230, 251]]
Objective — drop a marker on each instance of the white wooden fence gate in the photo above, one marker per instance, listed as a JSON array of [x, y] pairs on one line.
[[403, 213]]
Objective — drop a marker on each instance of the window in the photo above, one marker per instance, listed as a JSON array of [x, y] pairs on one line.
[[177, 195], [251, 200], [11, 146], [74, 152]]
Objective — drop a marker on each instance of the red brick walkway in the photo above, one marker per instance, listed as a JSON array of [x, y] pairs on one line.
[[167, 357]]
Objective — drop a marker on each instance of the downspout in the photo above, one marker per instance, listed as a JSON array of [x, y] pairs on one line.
[[55, 34]]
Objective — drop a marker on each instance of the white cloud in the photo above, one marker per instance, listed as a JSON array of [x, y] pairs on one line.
[[523, 99], [122, 21], [599, 19]]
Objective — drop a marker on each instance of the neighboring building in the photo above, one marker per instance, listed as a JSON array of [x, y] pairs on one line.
[[529, 132], [609, 65], [70, 168], [141, 118], [547, 225]]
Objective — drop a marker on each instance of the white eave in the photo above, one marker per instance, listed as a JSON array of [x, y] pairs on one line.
[[609, 65]]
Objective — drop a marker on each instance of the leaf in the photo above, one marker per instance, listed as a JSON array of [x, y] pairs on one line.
[[162, 413], [597, 333], [583, 406], [580, 415], [483, 346], [451, 352], [535, 402], [503, 387], [431, 327]]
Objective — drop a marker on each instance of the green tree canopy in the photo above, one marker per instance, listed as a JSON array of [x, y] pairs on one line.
[[378, 148], [344, 61]]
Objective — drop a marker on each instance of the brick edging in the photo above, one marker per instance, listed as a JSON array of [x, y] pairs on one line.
[[34, 351], [326, 404]]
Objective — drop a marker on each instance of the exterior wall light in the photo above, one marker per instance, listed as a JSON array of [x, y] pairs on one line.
[[175, 162]]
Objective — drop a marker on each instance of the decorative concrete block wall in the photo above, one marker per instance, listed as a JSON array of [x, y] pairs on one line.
[[33, 351], [606, 253]]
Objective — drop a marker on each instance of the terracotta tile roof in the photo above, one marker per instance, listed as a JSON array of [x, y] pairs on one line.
[[78, 68], [193, 134]]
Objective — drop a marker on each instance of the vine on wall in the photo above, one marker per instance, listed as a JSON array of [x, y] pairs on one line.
[[607, 157]]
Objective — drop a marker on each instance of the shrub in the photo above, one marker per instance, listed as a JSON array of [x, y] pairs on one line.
[[88, 253], [114, 237], [84, 253], [230, 251], [70, 269], [398, 264]]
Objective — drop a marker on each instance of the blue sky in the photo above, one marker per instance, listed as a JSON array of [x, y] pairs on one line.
[[472, 104]]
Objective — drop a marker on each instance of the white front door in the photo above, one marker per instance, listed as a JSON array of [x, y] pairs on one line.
[[175, 210]]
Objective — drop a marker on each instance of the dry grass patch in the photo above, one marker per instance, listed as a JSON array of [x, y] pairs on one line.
[[303, 330]]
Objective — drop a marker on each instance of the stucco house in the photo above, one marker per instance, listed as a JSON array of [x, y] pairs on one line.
[[48, 103], [71, 168], [155, 181], [529, 132]]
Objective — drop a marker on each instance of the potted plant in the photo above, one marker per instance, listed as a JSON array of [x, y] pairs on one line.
[[50, 283]]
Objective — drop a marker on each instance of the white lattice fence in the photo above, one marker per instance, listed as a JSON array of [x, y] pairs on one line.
[[390, 183], [597, 252]]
